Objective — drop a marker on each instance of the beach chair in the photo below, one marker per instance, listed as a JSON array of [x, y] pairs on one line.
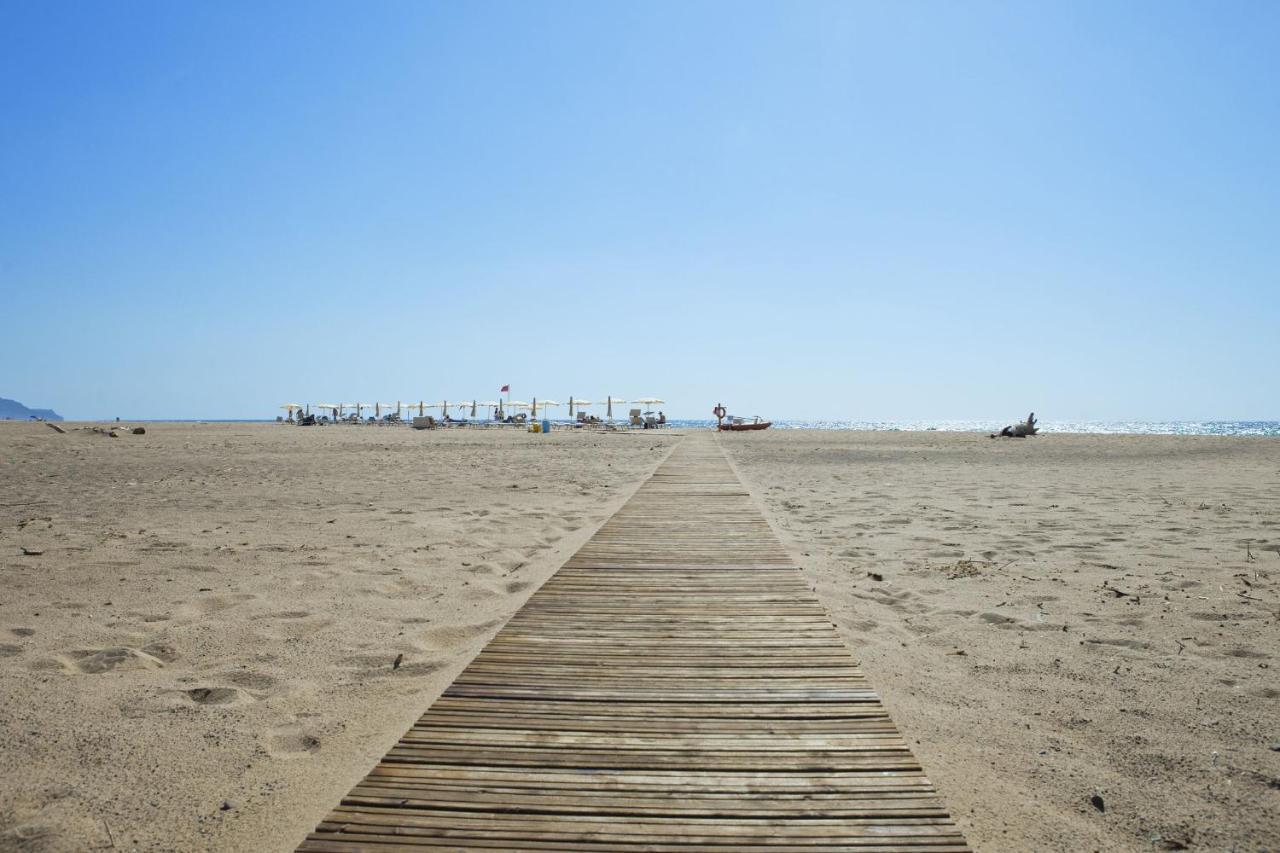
[[636, 420]]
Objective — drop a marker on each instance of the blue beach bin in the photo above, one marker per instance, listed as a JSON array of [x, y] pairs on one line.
[[546, 425]]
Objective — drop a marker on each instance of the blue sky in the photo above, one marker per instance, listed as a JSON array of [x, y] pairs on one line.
[[848, 210]]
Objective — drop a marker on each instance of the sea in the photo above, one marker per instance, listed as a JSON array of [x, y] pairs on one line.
[[1265, 428], [1262, 428]]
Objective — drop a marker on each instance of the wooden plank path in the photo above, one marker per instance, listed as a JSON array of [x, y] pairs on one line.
[[674, 686]]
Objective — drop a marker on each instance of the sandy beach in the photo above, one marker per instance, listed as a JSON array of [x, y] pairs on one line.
[[1054, 619], [199, 648], [201, 656]]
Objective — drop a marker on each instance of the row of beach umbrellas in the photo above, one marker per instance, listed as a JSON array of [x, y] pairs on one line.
[[444, 405]]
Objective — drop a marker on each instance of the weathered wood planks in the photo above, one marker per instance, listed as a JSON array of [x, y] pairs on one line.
[[675, 686]]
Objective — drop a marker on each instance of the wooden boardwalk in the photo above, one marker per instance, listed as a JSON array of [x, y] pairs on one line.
[[675, 686]]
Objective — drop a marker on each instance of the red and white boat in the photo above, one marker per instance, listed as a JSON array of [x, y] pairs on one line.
[[743, 425]]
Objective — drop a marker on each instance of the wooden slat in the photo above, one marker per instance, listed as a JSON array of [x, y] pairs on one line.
[[674, 686]]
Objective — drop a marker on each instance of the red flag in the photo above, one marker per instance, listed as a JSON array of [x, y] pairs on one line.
[[505, 389]]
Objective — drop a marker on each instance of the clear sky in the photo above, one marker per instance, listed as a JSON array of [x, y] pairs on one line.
[[848, 210]]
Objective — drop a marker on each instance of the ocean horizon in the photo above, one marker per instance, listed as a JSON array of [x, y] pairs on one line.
[[1101, 427]]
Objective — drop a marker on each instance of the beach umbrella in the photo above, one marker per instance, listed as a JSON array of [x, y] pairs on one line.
[[473, 408], [516, 404], [648, 402], [291, 406], [610, 401], [377, 410], [548, 404], [535, 408]]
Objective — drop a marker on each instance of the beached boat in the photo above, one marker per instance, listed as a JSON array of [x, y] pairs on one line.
[[743, 425]]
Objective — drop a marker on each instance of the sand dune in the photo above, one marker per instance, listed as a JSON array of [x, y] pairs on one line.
[[1055, 619], [203, 655]]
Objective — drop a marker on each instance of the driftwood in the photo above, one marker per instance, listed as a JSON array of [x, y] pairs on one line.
[[1022, 430]]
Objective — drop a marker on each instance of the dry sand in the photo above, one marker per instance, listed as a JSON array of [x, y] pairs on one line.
[[1056, 618], [214, 618], [202, 656]]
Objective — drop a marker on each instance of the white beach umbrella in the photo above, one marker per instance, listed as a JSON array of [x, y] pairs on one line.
[[548, 404], [609, 401], [516, 404], [649, 401], [291, 406]]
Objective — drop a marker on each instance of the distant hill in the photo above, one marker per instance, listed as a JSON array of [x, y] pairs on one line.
[[12, 410]]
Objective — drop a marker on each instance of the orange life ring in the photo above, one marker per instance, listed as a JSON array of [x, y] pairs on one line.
[[718, 411]]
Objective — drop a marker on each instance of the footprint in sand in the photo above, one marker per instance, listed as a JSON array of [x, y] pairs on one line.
[[22, 632], [1137, 645], [416, 668], [98, 661], [478, 592], [250, 680], [218, 696], [291, 741], [212, 604], [8, 650], [452, 636], [1245, 653]]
